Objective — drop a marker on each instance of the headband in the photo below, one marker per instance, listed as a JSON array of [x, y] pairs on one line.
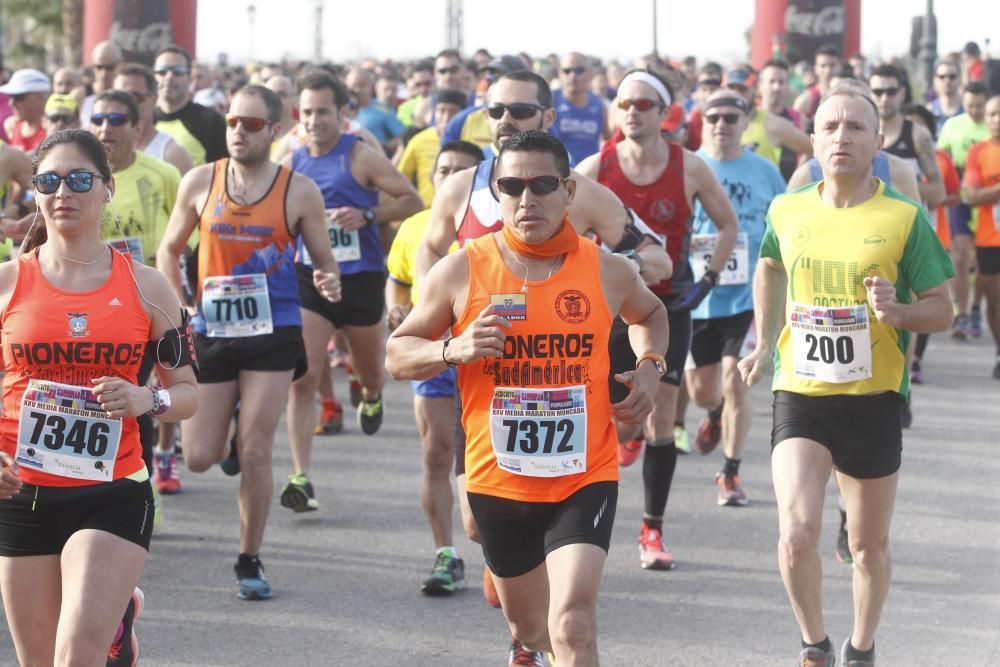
[[649, 80], [733, 100]]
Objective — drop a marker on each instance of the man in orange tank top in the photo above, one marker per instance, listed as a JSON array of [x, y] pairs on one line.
[[248, 330], [530, 309]]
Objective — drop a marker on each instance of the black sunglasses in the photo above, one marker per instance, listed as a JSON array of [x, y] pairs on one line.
[[62, 118], [116, 119], [947, 76], [517, 111], [448, 70], [578, 70], [77, 181], [539, 185], [728, 118], [179, 70], [879, 92]]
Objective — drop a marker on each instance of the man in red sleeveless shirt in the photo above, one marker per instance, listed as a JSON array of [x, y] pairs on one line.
[[660, 181], [530, 308], [28, 90]]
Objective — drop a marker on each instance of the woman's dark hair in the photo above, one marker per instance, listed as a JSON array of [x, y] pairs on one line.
[[92, 149]]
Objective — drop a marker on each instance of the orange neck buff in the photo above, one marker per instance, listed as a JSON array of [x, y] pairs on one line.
[[562, 242]]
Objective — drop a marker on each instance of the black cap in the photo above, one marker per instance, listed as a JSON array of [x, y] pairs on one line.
[[504, 64]]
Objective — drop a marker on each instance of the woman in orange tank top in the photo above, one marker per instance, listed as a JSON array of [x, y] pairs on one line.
[[76, 319], [530, 311]]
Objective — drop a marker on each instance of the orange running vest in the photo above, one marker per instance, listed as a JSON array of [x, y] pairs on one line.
[[524, 443], [71, 338]]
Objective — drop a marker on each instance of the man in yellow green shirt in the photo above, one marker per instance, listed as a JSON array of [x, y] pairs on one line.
[[417, 160]]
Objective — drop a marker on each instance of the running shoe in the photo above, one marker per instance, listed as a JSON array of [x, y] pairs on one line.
[[168, 481], [853, 663], [370, 416], [628, 452], [447, 576], [916, 373], [814, 657], [298, 494], [357, 395], [124, 651], [252, 583], [681, 440], [490, 589], [960, 329], [843, 551], [731, 492], [157, 508], [709, 433], [331, 419], [652, 554], [519, 655], [231, 464], [975, 324]]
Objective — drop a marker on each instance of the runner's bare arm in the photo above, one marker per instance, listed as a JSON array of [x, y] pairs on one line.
[[597, 209], [769, 285], [649, 331], [801, 176], [932, 189], [415, 349], [442, 230], [982, 195], [802, 104], [176, 155], [183, 220], [930, 313], [786, 134], [398, 301], [716, 203], [376, 172], [308, 217], [902, 177]]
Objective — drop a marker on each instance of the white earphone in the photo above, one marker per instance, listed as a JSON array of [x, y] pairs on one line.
[[108, 191]]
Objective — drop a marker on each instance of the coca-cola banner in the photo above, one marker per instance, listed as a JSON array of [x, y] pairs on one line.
[[139, 27], [793, 30]]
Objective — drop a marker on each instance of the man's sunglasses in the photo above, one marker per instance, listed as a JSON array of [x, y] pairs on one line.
[[77, 181], [539, 185], [947, 76], [250, 124], [640, 104], [448, 70], [578, 70], [728, 118], [116, 119], [62, 118], [879, 92], [179, 70], [517, 111], [112, 67]]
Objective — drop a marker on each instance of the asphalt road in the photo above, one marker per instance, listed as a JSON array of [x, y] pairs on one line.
[[346, 578]]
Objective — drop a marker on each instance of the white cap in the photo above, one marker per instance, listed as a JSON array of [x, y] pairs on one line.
[[210, 97], [27, 81]]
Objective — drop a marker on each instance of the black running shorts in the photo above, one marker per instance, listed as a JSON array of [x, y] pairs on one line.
[[517, 536], [222, 359], [718, 337], [39, 520], [623, 358], [863, 433], [988, 260], [362, 300]]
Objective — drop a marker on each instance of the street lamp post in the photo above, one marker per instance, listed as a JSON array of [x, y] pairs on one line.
[[928, 47], [656, 46], [251, 12]]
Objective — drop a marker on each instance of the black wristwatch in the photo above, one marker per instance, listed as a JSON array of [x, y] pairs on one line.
[[713, 277], [369, 215], [634, 256]]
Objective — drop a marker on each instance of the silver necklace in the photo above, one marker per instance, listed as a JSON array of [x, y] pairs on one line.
[[524, 283], [76, 261]]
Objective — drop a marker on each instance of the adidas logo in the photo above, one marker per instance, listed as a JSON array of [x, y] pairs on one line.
[[114, 302]]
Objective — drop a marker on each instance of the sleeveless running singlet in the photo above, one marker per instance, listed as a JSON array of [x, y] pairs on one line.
[[27, 144], [54, 344], [246, 268], [538, 419], [905, 148], [482, 214], [157, 147], [662, 205], [880, 168], [579, 128], [358, 250], [755, 138]]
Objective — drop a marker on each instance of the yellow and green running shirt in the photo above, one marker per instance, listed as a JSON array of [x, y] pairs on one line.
[[145, 193], [200, 130], [831, 342]]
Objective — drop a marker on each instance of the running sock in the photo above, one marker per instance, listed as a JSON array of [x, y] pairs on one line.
[[851, 653], [247, 560], [653, 524], [657, 474], [824, 645], [731, 468], [717, 413], [450, 551]]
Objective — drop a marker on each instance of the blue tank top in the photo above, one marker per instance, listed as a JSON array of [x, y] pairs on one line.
[[332, 173], [880, 168], [579, 128]]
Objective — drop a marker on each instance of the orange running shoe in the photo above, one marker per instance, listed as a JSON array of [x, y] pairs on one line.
[[628, 452], [331, 420]]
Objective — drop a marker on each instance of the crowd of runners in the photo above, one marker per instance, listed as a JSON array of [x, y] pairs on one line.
[[562, 255]]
